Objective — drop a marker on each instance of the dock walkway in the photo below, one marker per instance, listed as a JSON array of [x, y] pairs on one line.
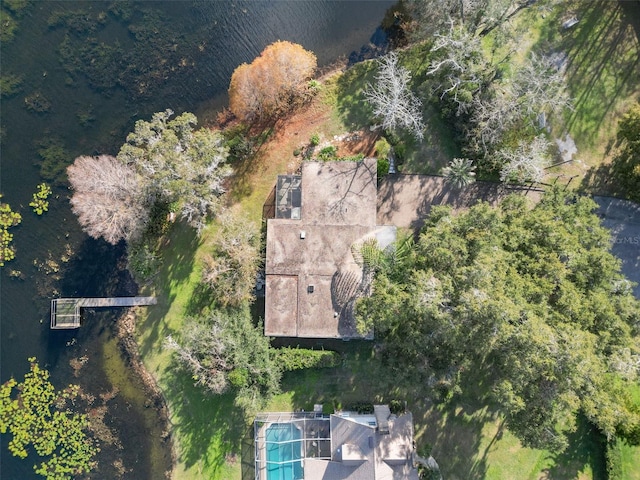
[[65, 312]]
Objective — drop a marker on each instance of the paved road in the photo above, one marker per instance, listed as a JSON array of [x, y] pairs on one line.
[[623, 219]]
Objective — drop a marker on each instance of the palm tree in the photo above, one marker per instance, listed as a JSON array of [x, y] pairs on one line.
[[460, 172]]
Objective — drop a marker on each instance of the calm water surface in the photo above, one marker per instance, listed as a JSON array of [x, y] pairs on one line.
[[195, 45]]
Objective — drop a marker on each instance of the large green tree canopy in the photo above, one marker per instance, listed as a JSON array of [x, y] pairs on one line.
[[179, 164], [527, 304]]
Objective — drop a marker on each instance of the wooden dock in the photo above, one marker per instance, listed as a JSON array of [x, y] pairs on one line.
[[65, 312]]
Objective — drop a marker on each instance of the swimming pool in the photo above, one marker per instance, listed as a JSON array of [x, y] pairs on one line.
[[284, 452]]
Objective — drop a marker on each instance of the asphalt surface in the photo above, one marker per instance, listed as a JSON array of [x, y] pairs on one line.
[[623, 219]]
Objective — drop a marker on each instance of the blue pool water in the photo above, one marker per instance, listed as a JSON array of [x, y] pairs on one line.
[[284, 452]]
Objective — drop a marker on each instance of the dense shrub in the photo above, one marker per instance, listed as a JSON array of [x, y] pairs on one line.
[[362, 408], [397, 407], [328, 154], [626, 164], [299, 358]]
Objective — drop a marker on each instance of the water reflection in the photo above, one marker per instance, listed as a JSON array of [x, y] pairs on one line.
[[101, 66]]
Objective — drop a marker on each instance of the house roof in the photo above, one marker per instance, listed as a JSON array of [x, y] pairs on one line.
[[362, 452], [312, 277]]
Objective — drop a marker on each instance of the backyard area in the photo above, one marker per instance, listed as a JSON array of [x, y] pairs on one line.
[[466, 436]]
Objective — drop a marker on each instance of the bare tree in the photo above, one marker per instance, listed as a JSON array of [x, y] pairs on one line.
[[537, 87], [492, 116], [540, 87], [107, 198], [392, 99], [204, 354], [458, 67], [477, 16], [525, 163]]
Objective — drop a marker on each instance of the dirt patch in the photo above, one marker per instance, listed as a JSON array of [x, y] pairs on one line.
[[354, 143]]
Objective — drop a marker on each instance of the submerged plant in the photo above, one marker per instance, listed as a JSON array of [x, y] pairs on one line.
[[55, 159], [10, 85], [38, 103]]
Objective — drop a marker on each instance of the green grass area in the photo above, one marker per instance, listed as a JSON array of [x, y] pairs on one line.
[[630, 462], [468, 439], [207, 431], [213, 440], [603, 68]]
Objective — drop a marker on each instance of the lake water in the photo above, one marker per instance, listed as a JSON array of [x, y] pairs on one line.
[[97, 67]]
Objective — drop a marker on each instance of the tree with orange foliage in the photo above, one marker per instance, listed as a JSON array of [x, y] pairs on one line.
[[272, 83]]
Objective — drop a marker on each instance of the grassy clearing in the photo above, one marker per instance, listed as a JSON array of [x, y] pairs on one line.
[[603, 67], [207, 431]]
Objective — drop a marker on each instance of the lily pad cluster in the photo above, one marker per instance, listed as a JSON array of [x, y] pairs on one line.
[[40, 202], [8, 219]]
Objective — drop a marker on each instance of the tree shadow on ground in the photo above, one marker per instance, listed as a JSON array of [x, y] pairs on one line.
[[452, 431], [599, 181], [178, 261], [211, 428], [201, 298], [354, 110], [248, 453], [586, 450], [602, 62]]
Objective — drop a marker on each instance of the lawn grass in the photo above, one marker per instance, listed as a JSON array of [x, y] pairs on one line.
[[210, 433], [630, 462], [206, 430], [212, 438], [602, 74], [466, 437]]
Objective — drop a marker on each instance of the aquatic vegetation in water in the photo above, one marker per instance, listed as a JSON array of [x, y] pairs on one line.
[[79, 22], [10, 85], [17, 274], [98, 61], [10, 12], [41, 422], [55, 159], [9, 26], [141, 63], [8, 219], [86, 116], [40, 202], [37, 102]]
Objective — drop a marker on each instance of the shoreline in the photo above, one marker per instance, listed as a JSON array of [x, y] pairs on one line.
[[125, 331]]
